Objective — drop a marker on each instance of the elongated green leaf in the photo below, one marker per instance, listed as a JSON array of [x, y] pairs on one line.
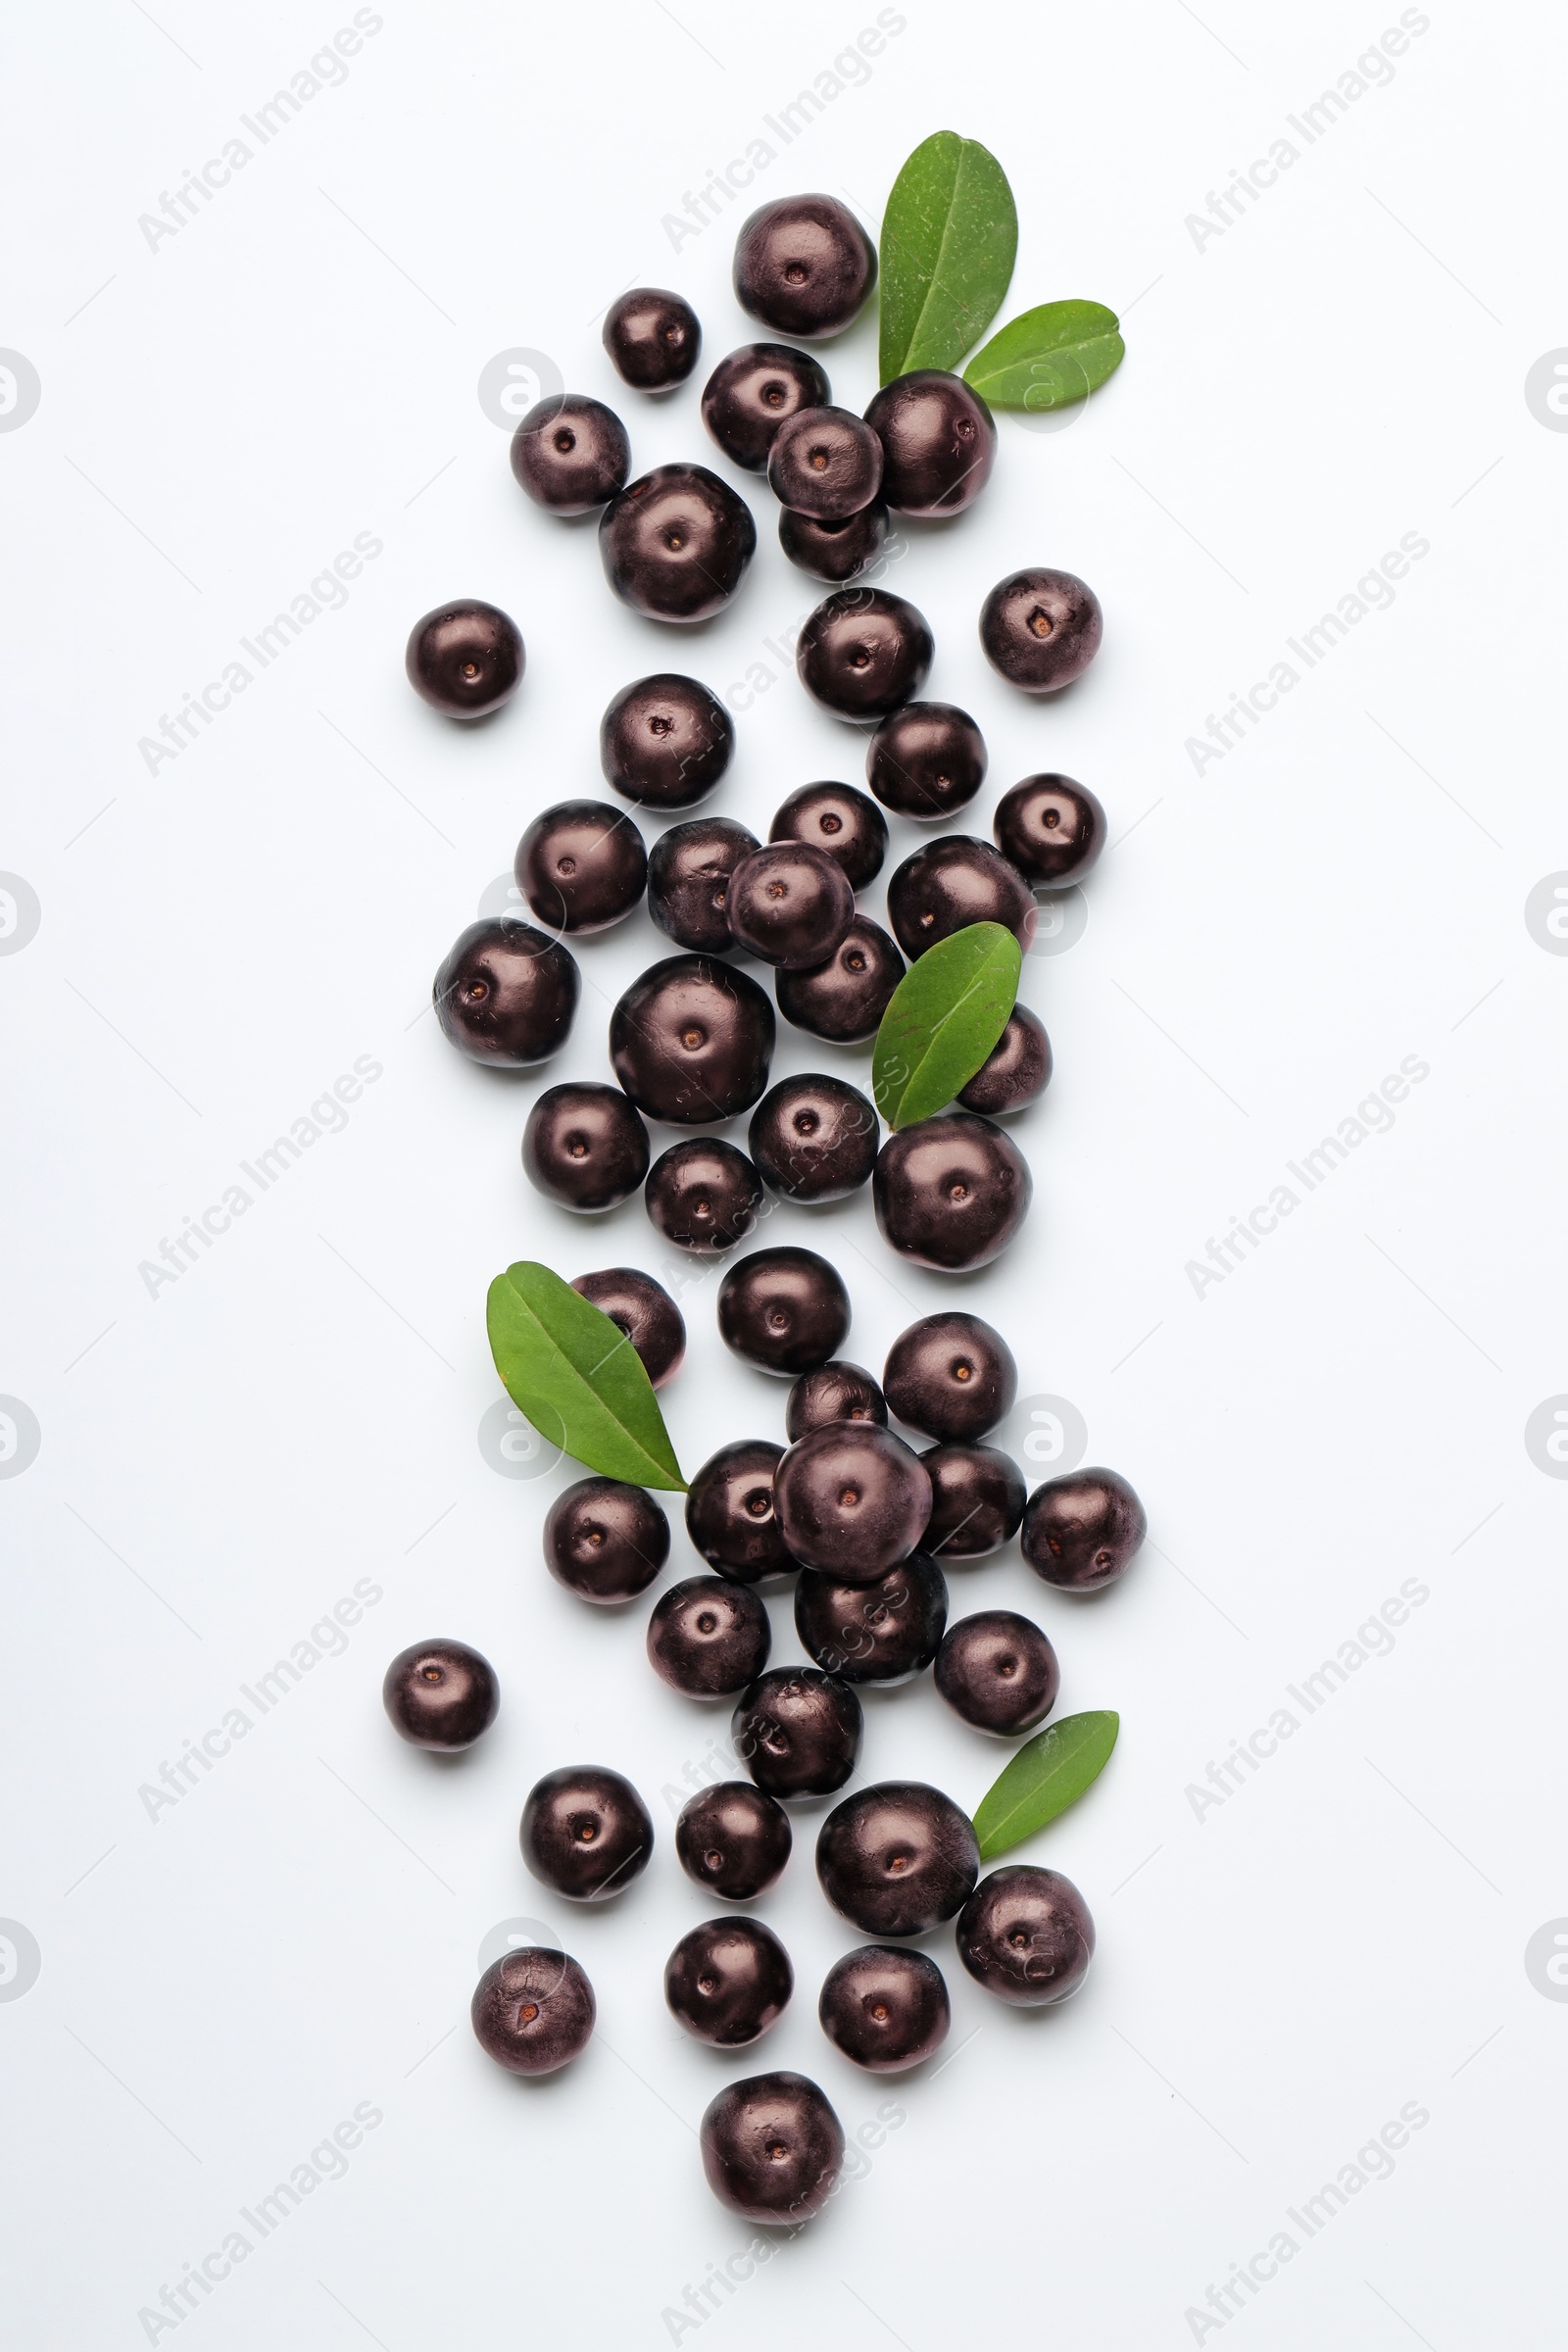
[[943, 1019], [577, 1377], [949, 238], [1048, 1773], [1060, 352]]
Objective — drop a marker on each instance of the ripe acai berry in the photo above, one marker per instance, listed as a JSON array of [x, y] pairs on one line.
[[708, 1636], [951, 1191], [665, 741], [885, 2007], [506, 994], [1081, 1531], [842, 1000], [676, 542], [465, 660], [798, 1731], [864, 652], [643, 1311], [852, 1499], [733, 1839], [690, 1040], [606, 1541], [702, 1196], [533, 2011], [834, 551], [730, 1516], [1039, 629], [926, 761], [585, 1147], [838, 819], [790, 904], [803, 266], [954, 882], [1026, 1936], [999, 1672], [950, 1376], [834, 1392], [772, 2148], [898, 1858], [688, 881], [586, 1833], [1051, 828], [728, 1981], [755, 390], [1015, 1072], [581, 867], [825, 464], [978, 1497], [653, 338], [441, 1695], [783, 1311], [570, 454], [883, 1633], [813, 1139], [940, 441]]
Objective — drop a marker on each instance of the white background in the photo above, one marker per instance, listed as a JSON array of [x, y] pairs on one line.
[[218, 1464]]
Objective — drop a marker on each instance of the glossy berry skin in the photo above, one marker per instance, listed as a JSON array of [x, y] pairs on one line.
[[864, 652], [772, 2148], [952, 883], [1015, 1072], [730, 1516], [675, 543], [570, 454], [581, 867], [940, 443], [708, 1636], [1050, 828], [835, 550], [688, 881], [999, 1672], [606, 1541], [898, 1858], [1082, 1532], [586, 1833], [978, 1499], [951, 1191], [842, 1000], [783, 1311], [797, 1731], [691, 1041], [665, 741], [1039, 629], [728, 1981], [813, 1139], [852, 1500], [753, 392], [926, 761], [441, 1695], [506, 994], [825, 464], [585, 1148], [837, 818], [1026, 1936], [653, 338], [790, 904], [733, 1840], [643, 1311], [834, 1392], [466, 660], [883, 1633], [950, 1376], [803, 266], [885, 2007], [702, 1196], [533, 2011]]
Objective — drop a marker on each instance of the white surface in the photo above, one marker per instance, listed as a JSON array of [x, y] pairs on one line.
[[1345, 1933]]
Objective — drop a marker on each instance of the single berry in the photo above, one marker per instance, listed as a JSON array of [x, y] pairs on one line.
[[950, 1376], [835, 550], [665, 741], [1041, 629], [1015, 1072], [803, 266], [885, 2007], [606, 1541], [954, 882], [506, 994], [688, 881], [772, 2148], [441, 1695], [570, 454], [896, 1859], [708, 1636], [733, 1839], [977, 1505], [653, 338], [864, 652], [730, 1516], [644, 1311], [1026, 1936], [999, 1672], [466, 658], [825, 464], [676, 542], [1082, 1530], [838, 819], [533, 2011], [783, 1311], [728, 1981], [797, 1731], [884, 1632], [842, 1000], [755, 390], [951, 1191], [1051, 828], [581, 867], [690, 1040], [834, 1392], [585, 1147], [586, 1833], [790, 904], [939, 441], [852, 1499], [926, 761], [702, 1196], [813, 1139]]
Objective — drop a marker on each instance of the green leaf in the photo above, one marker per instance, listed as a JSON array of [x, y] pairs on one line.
[[1059, 353], [943, 1020], [578, 1378], [1049, 1773], [949, 237]]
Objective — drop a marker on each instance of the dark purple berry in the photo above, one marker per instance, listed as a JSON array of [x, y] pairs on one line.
[[835, 550], [1026, 1936], [825, 464], [864, 652], [708, 1636], [803, 266], [950, 1376], [676, 542], [653, 338], [665, 741], [790, 904], [733, 1839], [896, 1859], [586, 1833], [1015, 1072], [813, 1139], [954, 882], [842, 1000], [939, 439], [999, 1672], [466, 660], [581, 867], [753, 392], [570, 454], [702, 1196], [885, 2007], [533, 2011], [585, 1147], [797, 1731], [643, 1311], [688, 881], [772, 2148], [841, 820], [691, 1041], [606, 1541], [834, 1392], [728, 1981], [441, 1695], [1041, 629], [852, 1499], [506, 994], [884, 1632], [783, 1311], [926, 761], [951, 1191], [1082, 1530], [978, 1497], [730, 1516], [1051, 828]]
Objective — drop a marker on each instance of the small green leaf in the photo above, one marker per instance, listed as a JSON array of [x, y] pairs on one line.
[[578, 1378], [943, 1020], [949, 237], [1060, 352], [1048, 1773]]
